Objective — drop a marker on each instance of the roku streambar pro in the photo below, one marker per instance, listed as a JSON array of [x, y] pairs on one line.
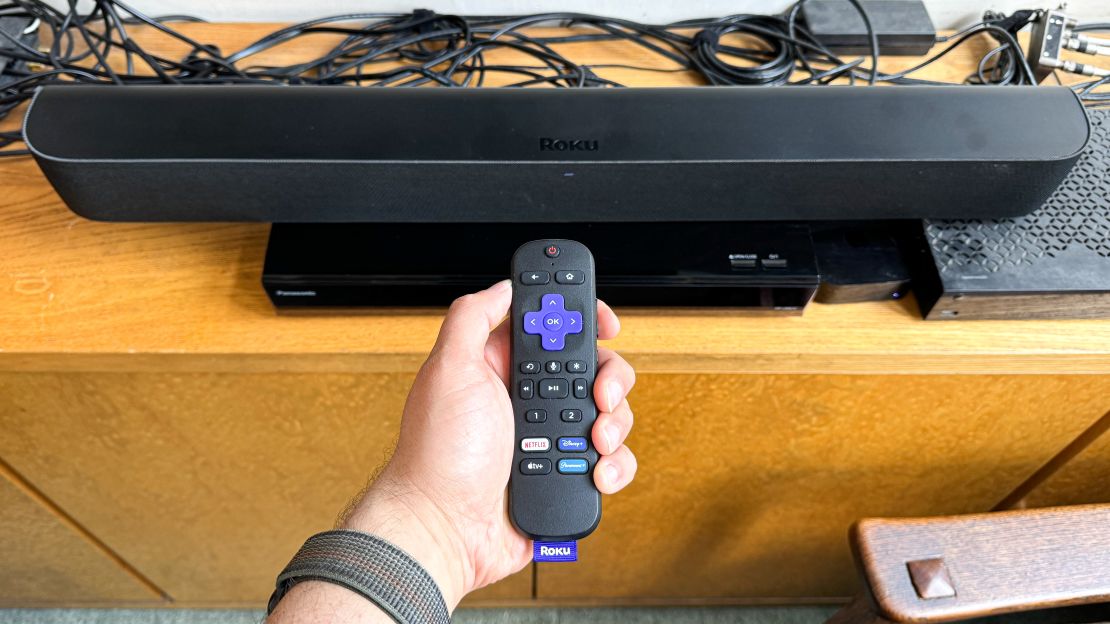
[[330, 154]]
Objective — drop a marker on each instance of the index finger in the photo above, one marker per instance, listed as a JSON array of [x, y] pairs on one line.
[[608, 326], [471, 318]]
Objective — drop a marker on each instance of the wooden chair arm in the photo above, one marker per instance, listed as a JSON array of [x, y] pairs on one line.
[[960, 567]]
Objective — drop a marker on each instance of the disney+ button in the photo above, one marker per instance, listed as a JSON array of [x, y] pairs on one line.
[[572, 445]]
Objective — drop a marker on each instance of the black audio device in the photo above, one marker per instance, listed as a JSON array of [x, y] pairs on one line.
[[1052, 263], [308, 154]]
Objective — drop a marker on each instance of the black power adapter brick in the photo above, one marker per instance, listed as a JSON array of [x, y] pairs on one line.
[[21, 29], [903, 27]]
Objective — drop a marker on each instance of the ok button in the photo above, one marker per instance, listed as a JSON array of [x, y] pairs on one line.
[[553, 321]]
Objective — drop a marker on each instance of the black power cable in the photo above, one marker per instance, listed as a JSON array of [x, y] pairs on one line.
[[426, 48]]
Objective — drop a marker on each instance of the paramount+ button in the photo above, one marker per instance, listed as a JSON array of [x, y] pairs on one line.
[[573, 466]]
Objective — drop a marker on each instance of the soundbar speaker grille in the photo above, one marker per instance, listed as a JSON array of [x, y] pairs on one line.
[[1075, 220]]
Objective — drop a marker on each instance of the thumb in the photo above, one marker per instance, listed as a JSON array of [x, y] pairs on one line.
[[472, 317]]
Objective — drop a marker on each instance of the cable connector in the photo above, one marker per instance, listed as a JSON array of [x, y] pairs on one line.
[[1077, 68], [1054, 32], [1011, 23], [1046, 41], [1088, 45]]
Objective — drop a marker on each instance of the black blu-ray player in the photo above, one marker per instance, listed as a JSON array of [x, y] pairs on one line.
[[754, 266]]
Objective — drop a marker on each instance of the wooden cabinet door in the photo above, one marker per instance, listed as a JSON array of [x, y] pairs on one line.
[[1084, 479], [49, 562], [206, 483], [747, 484]]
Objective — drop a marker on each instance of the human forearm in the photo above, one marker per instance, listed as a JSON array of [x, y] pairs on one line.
[[317, 602], [427, 575]]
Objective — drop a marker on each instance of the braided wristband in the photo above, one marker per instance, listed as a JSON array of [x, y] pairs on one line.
[[372, 567]]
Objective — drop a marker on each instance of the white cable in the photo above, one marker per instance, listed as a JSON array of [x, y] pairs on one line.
[[1093, 40], [1076, 68], [1087, 46]]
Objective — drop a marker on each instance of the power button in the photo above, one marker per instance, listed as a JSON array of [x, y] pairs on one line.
[[551, 251]]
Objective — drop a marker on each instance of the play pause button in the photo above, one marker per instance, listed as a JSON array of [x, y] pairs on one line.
[[554, 389]]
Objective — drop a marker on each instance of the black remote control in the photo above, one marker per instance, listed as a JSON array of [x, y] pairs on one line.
[[554, 360]]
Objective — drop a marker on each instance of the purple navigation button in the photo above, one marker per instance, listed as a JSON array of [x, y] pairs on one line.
[[574, 322], [552, 322], [552, 303], [533, 322]]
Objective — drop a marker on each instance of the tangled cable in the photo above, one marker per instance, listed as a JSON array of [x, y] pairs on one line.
[[426, 48]]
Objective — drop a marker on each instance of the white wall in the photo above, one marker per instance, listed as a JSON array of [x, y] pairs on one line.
[[945, 13]]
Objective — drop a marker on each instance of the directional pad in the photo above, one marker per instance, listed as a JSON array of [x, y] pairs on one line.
[[552, 322]]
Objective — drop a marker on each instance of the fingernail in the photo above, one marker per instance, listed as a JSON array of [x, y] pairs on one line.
[[612, 473], [610, 432], [613, 394], [502, 285]]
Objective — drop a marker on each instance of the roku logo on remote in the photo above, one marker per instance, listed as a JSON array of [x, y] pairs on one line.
[[554, 551], [560, 145]]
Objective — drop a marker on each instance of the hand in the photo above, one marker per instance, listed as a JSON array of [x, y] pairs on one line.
[[442, 497]]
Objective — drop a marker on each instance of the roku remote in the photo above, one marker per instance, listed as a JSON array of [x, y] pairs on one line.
[[554, 360]]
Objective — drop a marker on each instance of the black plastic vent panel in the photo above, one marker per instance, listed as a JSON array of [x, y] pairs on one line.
[[1066, 240]]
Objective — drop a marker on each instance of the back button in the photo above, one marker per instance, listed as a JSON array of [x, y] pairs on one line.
[[534, 277]]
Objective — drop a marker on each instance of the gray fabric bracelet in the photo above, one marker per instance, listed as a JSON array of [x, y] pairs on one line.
[[372, 567]]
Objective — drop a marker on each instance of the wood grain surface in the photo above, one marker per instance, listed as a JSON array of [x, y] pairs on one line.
[[747, 484], [207, 483], [746, 488], [998, 563], [1083, 480], [47, 563]]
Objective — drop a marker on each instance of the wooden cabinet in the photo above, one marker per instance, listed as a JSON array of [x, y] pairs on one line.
[[50, 562], [208, 483], [747, 484], [1084, 479]]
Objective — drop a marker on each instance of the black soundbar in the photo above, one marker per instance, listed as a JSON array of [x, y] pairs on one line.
[[332, 154]]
